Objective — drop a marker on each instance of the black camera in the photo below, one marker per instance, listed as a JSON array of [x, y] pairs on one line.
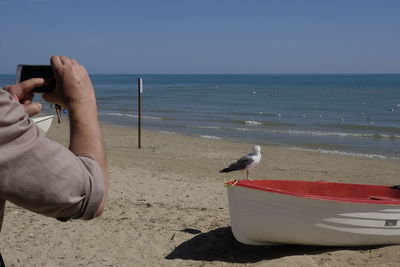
[[26, 72]]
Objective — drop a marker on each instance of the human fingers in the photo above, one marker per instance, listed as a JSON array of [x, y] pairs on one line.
[[9, 88], [83, 69], [26, 100], [28, 96], [55, 61], [27, 86], [65, 60], [23, 90], [32, 108], [74, 62]]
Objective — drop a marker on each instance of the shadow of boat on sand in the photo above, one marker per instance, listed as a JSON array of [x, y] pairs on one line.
[[221, 245]]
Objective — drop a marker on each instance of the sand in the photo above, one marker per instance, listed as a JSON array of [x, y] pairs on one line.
[[168, 206]]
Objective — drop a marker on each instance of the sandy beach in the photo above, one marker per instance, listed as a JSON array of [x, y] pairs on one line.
[[168, 206]]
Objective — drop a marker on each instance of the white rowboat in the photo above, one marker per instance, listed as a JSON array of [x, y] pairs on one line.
[[44, 123], [272, 212]]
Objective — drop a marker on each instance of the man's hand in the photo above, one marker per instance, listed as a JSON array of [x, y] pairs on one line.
[[21, 93], [73, 86]]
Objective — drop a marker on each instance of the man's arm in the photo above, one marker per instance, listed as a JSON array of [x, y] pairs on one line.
[[74, 91], [44, 176]]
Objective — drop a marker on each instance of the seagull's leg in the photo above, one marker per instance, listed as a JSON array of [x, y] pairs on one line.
[[248, 176]]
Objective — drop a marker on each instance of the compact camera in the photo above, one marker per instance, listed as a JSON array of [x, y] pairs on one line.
[[26, 72]]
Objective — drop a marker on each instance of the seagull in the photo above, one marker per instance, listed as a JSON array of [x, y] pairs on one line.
[[245, 163]]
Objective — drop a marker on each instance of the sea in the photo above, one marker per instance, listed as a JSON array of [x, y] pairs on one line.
[[350, 114]]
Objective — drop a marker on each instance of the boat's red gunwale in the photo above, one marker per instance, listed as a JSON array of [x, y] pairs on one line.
[[379, 194]]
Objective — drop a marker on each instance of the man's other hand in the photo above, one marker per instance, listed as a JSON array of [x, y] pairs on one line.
[[22, 93]]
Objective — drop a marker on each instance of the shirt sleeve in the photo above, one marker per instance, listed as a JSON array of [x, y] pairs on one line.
[[41, 175]]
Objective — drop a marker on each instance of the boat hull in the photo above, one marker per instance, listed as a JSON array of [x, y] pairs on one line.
[[268, 218], [44, 123]]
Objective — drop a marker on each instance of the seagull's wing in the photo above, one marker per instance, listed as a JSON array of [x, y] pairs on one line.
[[241, 164]]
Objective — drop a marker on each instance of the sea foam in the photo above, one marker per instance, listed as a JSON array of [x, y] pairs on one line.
[[130, 115], [343, 153], [248, 122], [210, 137]]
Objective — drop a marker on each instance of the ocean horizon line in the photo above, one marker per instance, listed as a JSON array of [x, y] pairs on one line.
[[278, 73]]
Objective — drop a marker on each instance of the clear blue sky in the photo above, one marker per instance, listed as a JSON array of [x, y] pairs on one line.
[[204, 36]]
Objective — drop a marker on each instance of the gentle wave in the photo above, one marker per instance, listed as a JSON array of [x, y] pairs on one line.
[[130, 115], [259, 123], [253, 122], [206, 127], [340, 134], [165, 111], [260, 113], [210, 137], [336, 134], [301, 132], [343, 153], [365, 127]]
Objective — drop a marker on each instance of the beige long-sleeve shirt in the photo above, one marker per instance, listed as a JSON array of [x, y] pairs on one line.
[[41, 175]]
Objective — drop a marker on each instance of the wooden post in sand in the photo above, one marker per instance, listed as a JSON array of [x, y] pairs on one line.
[[140, 91]]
